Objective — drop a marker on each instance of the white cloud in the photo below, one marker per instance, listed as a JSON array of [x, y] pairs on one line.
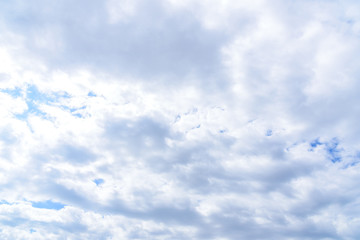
[[179, 120]]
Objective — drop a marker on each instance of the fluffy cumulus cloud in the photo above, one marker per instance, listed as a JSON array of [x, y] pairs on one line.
[[179, 119]]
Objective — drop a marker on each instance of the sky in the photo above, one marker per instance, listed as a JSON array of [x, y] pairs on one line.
[[180, 119]]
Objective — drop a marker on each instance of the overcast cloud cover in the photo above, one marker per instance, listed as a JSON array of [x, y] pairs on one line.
[[179, 119]]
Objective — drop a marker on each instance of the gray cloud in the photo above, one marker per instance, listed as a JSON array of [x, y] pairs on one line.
[[153, 44]]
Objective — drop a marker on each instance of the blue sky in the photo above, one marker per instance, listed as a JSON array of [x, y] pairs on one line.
[[179, 119]]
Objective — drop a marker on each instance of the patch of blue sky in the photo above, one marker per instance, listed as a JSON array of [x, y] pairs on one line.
[[4, 202], [48, 205], [34, 94], [98, 181], [74, 111], [32, 230], [34, 98], [191, 111], [333, 150], [331, 147], [91, 94], [351, 164], [32, 109], [14, 92], [78, 115], [352, 160], [269, 132], [315, 143], [198, 126]]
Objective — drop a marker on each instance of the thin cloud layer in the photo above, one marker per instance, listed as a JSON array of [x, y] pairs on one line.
[[179, 120]]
